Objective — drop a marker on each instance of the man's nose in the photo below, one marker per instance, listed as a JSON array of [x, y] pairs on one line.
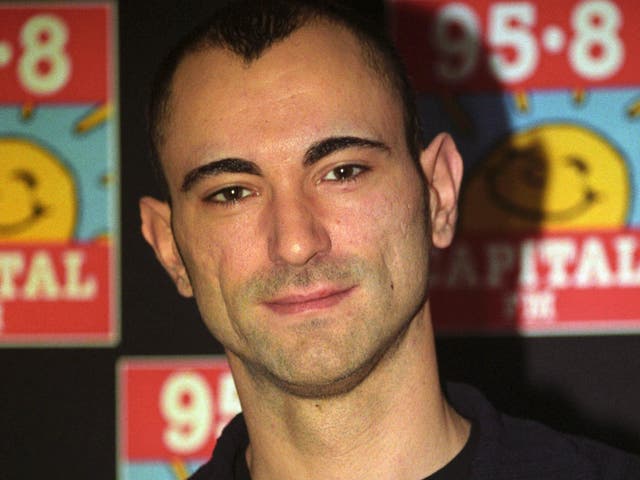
[[298, 234]]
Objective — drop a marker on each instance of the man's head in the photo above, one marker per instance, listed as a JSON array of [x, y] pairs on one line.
[[298, 219], [248, 28]]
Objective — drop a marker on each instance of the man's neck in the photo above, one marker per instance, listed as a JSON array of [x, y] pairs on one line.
[[395, 424]]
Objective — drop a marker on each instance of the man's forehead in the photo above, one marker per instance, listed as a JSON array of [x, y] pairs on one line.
[[318, 45], [311, 58]]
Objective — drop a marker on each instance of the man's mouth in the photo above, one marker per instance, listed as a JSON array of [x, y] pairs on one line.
[[294, 303]]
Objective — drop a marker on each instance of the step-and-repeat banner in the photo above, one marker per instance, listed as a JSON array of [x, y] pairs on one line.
[[543, 99], [58, 175]]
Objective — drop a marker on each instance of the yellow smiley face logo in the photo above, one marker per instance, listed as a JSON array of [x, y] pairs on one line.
[[552, 177], [37, 194]]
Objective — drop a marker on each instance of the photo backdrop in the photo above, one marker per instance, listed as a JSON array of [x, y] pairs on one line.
[[543, 100], [536, 303]]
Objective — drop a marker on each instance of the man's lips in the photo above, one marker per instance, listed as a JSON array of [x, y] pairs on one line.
[[316, 300]]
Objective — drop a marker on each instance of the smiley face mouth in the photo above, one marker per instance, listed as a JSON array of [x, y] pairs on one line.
[[37, 212], [588, 198], [534, 175]]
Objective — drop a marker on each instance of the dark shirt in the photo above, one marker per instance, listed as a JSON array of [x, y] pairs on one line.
[[500, 447]]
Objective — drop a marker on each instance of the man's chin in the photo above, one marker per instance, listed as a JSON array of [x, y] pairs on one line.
[[318, 371], [323, 387], [320, 377]]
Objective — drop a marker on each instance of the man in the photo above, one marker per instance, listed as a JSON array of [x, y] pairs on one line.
[[301, 210]]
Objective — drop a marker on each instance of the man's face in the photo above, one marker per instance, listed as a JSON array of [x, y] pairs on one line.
[[298, 213]]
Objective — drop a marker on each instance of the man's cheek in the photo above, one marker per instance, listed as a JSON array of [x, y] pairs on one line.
[[364, 222]]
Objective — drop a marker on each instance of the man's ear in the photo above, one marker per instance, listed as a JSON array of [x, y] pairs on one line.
[[442, 166], [156, 229]]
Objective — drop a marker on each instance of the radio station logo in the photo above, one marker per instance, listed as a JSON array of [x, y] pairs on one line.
[[544, 103], [58, 168]]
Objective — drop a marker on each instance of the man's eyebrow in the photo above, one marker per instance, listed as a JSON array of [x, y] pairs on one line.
[[333, 144], [225, 165], [315, 152]]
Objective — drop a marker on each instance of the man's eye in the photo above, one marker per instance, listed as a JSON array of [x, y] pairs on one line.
[[344, 173], [229, 195]]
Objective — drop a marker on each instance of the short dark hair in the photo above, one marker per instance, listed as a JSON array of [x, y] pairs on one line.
[[248, 27]]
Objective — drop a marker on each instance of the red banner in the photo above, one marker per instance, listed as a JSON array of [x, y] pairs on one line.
[[55, 54], [579, 281], [173, 410], [485, 45], [50, 292]]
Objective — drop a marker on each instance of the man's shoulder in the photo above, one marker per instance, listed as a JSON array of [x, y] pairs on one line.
[[225, 460], [507, 448], [514, 448]]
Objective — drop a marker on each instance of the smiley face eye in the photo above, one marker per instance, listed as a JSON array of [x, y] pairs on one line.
[[26, 177], [579, 165]]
